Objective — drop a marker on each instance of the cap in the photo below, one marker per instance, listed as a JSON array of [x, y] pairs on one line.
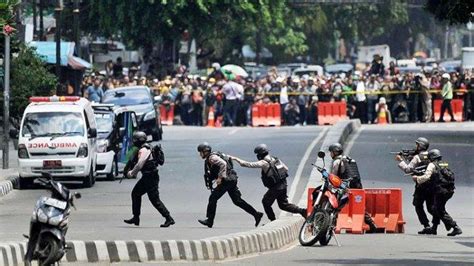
[[446, 76]]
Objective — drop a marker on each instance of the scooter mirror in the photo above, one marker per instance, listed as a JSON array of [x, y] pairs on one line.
[[321, 154]]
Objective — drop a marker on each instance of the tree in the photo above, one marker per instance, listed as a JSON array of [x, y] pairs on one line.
[[452, 11]]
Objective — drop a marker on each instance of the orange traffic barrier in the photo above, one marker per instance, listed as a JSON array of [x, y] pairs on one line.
[[167, 115], [351, 217], [385, 207], [456, 104], [266, 115], [210, 117], [331, 113]]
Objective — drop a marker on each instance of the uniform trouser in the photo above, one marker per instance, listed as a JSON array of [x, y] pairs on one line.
[[446, 105], [148, 184], [427, 111], [439, 210], [282, 199], [234, 193], [422, 195]]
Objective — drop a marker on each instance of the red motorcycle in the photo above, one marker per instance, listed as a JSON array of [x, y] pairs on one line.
[[332, 196]]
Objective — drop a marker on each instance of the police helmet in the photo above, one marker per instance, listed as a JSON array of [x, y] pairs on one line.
[[139, 138], [434, 154], [423, 143], [261, 149], [204, 147], [336, 148]]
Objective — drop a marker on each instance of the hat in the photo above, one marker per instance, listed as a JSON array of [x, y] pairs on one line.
[[446, 76]]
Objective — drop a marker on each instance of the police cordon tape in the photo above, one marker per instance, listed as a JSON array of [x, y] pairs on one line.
[[378, 92], [273, 236]]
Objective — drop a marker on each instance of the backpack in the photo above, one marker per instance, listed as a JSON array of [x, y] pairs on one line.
[[276, 173], [443, 178], [157, 153], [231, 173]]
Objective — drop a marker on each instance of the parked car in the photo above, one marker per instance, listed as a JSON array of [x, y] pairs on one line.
[[339, 68], [138, 99], [315, 70]]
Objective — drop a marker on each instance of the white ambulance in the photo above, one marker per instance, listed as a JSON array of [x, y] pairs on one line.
[[57, 136]]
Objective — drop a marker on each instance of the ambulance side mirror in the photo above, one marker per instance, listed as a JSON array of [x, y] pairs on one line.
[[14, 133], [92, 133]]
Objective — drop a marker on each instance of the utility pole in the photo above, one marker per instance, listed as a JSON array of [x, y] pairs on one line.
[[75, 12], [41, 29], [34, 19], [6, 103], [57, 12]]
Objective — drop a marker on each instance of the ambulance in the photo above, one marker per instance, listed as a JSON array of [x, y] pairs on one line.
[[57, 136]]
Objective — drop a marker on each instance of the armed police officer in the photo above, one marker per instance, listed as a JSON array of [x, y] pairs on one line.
[[144, 161], [418, 161], [443, 189], [345, 167], [218, 168], [273, 175]]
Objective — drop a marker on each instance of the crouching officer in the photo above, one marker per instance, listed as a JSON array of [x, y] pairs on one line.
[[276, 184], [443, 185], [143, 161], [220, 170], [345, 167], [423, 191]]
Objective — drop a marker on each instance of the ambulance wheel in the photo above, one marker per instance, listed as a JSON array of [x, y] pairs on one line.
[[25, 183], [89, 180]]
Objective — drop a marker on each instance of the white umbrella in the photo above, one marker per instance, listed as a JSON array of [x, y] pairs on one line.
[[236, 70]]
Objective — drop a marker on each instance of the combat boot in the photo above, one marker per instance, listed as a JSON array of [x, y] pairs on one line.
[[372, 228], [456, 231], [425, 230], [304, 213], [135, 220], [206, 223], [432, 230], [258, 218], [169, 221]]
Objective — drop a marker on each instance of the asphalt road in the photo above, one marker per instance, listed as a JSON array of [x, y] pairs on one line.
[[100, 212], [371, 149]]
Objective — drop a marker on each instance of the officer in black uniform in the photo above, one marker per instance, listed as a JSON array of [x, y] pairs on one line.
[[423, 192], [443, 190], [345, 167], [276, 190], [225, 178], [143, 161]]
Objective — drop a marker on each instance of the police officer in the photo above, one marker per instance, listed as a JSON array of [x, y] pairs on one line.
[[423, 191], [345, 167], [217, 169], [443, 191], [276, 191], [143, 161]]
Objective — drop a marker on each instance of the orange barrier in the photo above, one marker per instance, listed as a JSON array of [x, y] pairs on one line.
[[456, 104], [331, 113], [351, 217], [264, 115], [167, 116], [385, 207]]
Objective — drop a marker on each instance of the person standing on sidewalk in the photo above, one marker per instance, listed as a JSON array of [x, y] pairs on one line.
[[447, 94]]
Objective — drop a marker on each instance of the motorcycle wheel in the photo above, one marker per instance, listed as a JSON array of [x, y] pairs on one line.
[[49, 246], [325, 238], [313, 228]]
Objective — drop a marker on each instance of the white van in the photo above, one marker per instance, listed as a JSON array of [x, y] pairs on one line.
[[57, 136]]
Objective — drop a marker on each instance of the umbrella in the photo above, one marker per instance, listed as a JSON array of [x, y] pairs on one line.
[[236, 70]]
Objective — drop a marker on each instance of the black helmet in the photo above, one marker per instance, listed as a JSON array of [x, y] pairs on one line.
[[139, 138], [261, 149], [336, 148], [423, 143], [204, 147], [434, 154]]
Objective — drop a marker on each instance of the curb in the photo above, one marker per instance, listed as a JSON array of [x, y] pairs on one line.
[[8, 185], [270, 237]]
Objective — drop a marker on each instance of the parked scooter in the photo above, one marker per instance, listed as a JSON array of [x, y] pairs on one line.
[[333, 195], [49, 223]]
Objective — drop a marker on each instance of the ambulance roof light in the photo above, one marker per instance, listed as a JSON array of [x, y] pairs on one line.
[[54, 99]]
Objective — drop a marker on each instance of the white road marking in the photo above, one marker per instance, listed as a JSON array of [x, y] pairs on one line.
[[233, 131]]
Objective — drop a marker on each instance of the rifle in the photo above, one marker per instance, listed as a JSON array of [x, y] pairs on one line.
[[420, 170], [208, 182], [405, 153]]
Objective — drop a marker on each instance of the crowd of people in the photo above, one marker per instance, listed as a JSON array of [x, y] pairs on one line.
[[372, 95]]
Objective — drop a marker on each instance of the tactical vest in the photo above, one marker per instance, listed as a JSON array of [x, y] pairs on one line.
[[351, 171], [424, 162], [213, 170]]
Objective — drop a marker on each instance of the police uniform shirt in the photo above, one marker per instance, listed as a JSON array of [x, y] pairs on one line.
[[338, 167], [214, 159], [263, 164], [144, 154], [427, 175]]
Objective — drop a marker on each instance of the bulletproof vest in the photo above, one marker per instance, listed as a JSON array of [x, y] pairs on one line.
[[213, 170], [351, 169], [150, 164], [424, 162]]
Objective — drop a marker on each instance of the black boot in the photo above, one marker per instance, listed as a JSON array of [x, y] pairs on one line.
[[135, 220], [372, 228], [169, 221], [425, 230], [258, 218], [304, 213], [206, 223], [433, 230], [456, 231]]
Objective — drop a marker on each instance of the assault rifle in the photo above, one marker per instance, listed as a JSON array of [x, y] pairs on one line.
[[420, 170], [405, 153]]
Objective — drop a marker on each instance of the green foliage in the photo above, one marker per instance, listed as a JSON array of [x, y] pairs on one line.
[[452, 11], [29, 77], [6, 11]]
